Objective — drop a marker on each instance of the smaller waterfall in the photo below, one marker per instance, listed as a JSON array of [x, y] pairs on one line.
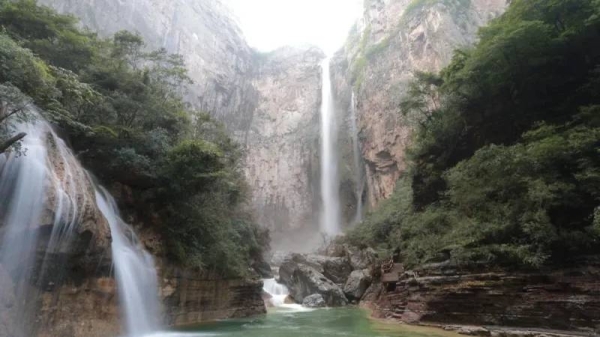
[[136, 275], [358, 169], [46, 194], [278, 294], [330, 221]]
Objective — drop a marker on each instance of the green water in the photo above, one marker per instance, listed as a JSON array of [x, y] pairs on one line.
[[351, 322]]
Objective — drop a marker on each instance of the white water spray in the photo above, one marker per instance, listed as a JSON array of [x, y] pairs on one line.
[[279, 293], [358, 170], [330, 220]]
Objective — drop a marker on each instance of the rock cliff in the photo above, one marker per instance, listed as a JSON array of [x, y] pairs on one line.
[[88, 306], [394, 39], [282, 163], [268, 101], [218, 58]]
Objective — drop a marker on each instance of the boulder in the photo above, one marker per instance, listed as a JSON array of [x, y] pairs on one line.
[[336, 269], [361, 258], [314, 301], [304, 280], [357, 284]]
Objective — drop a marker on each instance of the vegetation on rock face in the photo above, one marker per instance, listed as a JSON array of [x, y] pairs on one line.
[[122, 110], [505, 165]]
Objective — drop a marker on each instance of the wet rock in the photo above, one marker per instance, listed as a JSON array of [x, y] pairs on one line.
[[314, 301], [304, 280], [357, 284]]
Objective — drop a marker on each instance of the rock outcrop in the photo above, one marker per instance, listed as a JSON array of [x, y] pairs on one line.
[[394, 39], [90, 307], [304, 279], [192, 297], [357, 284], [564, 299]]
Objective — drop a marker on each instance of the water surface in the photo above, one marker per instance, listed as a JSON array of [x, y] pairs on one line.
[[348, 322]]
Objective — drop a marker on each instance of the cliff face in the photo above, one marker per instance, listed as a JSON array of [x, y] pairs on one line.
[[218, 58], [88, 306], [394, 39], [282, 162], [269, 102]]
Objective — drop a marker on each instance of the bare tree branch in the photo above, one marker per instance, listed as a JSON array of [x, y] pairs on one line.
[[8, 143]]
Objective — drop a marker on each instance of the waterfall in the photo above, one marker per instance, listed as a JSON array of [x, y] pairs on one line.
[[358, 170], [46, 189], [278, 294], [330, 221], [135, 271]]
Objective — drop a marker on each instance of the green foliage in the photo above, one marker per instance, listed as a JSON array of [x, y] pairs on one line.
[[121, 106], [504, 168]]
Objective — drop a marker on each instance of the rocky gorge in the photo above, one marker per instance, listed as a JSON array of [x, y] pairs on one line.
[[269, 103]]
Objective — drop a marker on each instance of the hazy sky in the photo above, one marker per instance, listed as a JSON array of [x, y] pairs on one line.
[[268, 24]]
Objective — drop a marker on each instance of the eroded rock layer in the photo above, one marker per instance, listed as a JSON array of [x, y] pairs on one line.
[[567, 299]]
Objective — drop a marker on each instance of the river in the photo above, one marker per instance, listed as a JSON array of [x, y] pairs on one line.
[[348, 322]]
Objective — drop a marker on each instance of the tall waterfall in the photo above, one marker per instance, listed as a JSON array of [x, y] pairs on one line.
[[330, 220], [46, 189], [357, 161]]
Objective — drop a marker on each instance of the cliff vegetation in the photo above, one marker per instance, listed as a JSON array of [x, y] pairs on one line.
[[121, 107], [504, 167]]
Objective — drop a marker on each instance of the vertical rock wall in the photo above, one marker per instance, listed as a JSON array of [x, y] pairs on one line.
[[282, 162], [218, 58], [392, 40]]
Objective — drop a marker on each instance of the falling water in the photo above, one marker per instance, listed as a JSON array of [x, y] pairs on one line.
[[279, 293], [136, 275], [358, 172], [330, 221], [47, 189]]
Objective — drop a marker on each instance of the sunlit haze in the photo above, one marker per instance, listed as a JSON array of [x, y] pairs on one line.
[[269, 24]]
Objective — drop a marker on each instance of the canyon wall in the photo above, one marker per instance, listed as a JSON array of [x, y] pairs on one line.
[[218, 59], [268, 101], [282, 163], [394, 39]]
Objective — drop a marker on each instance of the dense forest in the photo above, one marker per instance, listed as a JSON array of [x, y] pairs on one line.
[[120, 106], [505, 164]]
